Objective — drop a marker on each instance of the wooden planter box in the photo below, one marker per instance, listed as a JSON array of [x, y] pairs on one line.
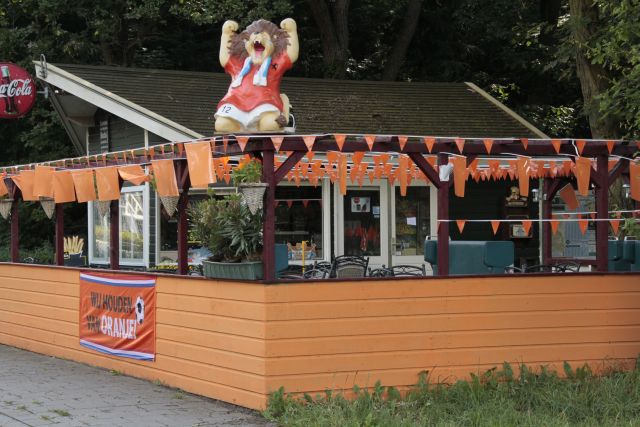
[[233, 270]]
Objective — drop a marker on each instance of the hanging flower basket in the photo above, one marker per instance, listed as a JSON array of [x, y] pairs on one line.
[[103, 207], [5, 207], [49, 206], [252, 195], [170, 204]]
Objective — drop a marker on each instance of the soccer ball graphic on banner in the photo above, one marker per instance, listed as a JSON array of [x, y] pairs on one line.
[[139, 310]]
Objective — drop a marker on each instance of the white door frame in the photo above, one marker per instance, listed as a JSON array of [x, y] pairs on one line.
[[380, 185]]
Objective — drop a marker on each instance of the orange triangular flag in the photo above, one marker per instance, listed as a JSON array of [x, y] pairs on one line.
[[568, 195], [310, 155], [384, 158], [308, 141], [342, 173], [615, 225], [495, 225], [459, 175], [429, 143], [524, 173], [556, 144], [370, 139], [554, 225], [402, 140], [526, 225], [525, 142], [460, 144], [277, 142], [461, 223], [339, 140], [634, 180], [583, 223], [357, 157], [225, 142], [580, 143], [488, 143], [610, 145], [403, 163], [242, 142], [583, 174]]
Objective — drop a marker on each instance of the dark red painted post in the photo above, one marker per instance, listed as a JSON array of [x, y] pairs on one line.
[[602, 214], [443, 227], [59, 234], [182, 173], [15, 229], [114, 238], [269, 218], [547, 211]]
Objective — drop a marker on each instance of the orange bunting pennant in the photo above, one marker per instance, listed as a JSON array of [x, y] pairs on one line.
[[277, 142], [495, 225], [610, 145], [554, 225], [63, 188], [429, 142], [402, 141], [342, 173], [339, 140], [460, 144], [332, 157], [3, 187], [108, 183], [370, 139], [403, 163], [134, 174], [309, 140], [566, 167], [524, 171], [43, 182], [488, 143], [199, 161], [525, 143], [461, 223], [165, 177], [568, 195], [384, 158], [583, 174], [634, 181], [84, 183], [556, 145], [459, 175], [583, 223], [580, 143], [225, 143], [615, 225], [357, 157], [242, 142], [526, 226], [310, 155]]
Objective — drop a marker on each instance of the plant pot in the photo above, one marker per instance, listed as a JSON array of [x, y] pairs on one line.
[[48, 205], [74, 260], [5, 207], [252, 195], [170, 204], [233, 270]]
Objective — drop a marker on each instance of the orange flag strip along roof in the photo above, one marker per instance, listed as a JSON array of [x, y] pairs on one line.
[[495, 225], [84, 183], [615, 225], [340, 138], [134, 174], [199, 161], [554, 225], [3, 187], [108, 183], [165, 178], [63, 187], [24, 181], [460, 223], [43, 182]]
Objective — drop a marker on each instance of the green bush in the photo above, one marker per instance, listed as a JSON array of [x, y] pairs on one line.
[[496, 398], [44, 254]]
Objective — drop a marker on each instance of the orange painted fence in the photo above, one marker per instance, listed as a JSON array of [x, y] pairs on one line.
[[237, 341]]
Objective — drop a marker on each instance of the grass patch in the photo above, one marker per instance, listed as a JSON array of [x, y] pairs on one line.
[[498, 397], [61, 412]]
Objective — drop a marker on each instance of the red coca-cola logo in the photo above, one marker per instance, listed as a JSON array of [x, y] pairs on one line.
[[17, 91]]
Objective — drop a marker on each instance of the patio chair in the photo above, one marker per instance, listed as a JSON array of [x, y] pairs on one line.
[[379, 272], [347, 266], [316, 273], [567, 267], [407, 271], [541, 268]]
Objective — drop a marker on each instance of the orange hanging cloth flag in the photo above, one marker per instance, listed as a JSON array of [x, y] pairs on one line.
[[277, 142], [165, 178], [634, 181], [3, 187], [309, 140], [583, 223], [460, 144], [459, 175], [526, 225], [615, 225], [342, 173], [583, 174], [580, 143], [488, 143], [357, 157], [523, 175], [495, 225], [43, 182], [461, 223], [556, 145], [429, 142], [134, 174], [554, 225], [242, 142], [339, 140], [199, 160], [370, 139], [568, 195], [610, 145], [85, 186], [403, 166], [108, 183], [402, 141], [24, 181], [63, 188], [525, 143]]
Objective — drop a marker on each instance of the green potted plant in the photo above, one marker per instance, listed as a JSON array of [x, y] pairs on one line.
[[247, 177], [232, 233]]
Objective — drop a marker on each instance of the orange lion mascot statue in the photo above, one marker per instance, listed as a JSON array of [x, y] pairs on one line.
[[256, 59]]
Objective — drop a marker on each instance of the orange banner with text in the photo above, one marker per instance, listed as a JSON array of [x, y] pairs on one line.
[[118, 314]]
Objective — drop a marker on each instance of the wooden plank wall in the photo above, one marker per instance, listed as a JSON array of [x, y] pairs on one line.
[[237, 342], [209, 334], [335, 335]]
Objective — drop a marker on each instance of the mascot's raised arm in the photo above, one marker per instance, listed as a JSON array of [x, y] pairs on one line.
[[256, 59]]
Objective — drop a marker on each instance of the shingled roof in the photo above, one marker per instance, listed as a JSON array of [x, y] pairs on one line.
[[319, 105]]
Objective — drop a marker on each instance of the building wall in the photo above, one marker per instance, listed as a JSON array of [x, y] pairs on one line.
[[237, 341]]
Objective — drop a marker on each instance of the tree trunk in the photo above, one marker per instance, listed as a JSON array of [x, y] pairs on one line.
[[401, 45], [333, 26], [593, 78]]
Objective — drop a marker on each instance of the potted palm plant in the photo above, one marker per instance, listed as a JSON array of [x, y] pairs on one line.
[[232, 233]]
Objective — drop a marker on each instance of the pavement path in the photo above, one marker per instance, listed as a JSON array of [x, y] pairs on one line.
[[37, 390]]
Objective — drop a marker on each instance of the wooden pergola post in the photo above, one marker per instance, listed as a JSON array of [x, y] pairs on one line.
[[182, 175], [602, 213], [269, 218], [443, 215], [15, 193], [59, 234]]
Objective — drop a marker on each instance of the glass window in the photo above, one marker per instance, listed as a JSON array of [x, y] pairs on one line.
[[412, 220], [132, 226], [362, 222], [101, 235], [298, 219]]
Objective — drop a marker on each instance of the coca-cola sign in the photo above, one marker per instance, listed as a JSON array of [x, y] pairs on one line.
[[17, 91]]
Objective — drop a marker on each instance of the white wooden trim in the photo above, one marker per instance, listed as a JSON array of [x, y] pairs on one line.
[[115, 104]]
